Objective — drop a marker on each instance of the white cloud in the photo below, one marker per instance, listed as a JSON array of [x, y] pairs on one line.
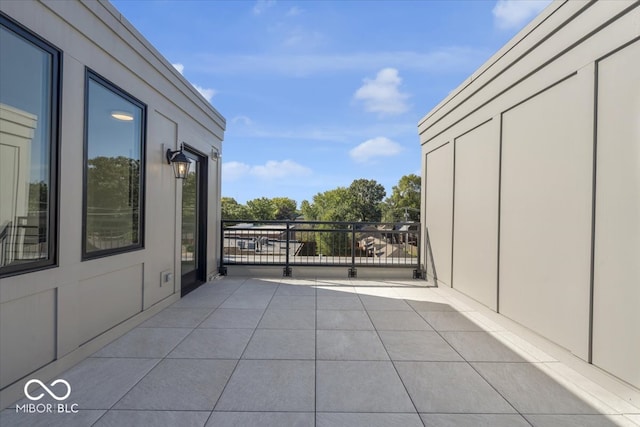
[[232, 171], [381, 95], [376, 147], [179, 67], [513, 14], [262, 5], [272, 169], [207, 93]]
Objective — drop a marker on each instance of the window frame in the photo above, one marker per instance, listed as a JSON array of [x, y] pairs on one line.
[[91, 75], [55, 108]]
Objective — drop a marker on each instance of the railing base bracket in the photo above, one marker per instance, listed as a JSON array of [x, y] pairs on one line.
[[352, 273], [419, 274], [287, 272]]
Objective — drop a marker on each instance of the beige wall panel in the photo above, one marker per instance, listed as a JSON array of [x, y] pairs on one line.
[[545, 242], [439, 206], [160, 218], [27, 335], [475, 241], [108, 299], [616, 327]]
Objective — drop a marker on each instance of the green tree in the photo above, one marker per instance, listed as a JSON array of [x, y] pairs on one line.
[[308, 211], [231, 209], [404, 202], [261, 208], [113, 185], [365, 199], [332, 205], [285, 208]]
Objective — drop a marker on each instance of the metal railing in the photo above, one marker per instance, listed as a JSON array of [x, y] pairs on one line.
[[22, 242], [316, 243]]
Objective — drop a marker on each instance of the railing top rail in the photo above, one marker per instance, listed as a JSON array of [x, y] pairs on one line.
[[281, 222]]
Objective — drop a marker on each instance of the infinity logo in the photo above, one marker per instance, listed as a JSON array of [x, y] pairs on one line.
[[52, 394]]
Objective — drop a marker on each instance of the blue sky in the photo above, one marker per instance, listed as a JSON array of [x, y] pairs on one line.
[[319, 93]]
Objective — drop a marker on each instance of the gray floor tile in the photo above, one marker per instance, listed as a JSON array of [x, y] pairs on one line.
[[579, 421], [343, 302], [213, 344], [209, 299], [481, 347], [335, 291], [341, 419], [450, 387], [133, 418], [180, 384], [261, 419], [474, 420], [343, 319], [345, 386], [232, 318], [389, 320], [293, 302], [249, 300], [270, 385], [521, 383], [10, 418], [98, 383], [298, 290], [145, 342], [418, 346], [177, 318], [281, 344], [350, 345], [449, 321], [383, 303], [288, 319], [226, 286], [430, 306]]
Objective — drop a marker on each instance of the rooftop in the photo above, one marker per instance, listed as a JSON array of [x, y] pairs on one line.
[[293, 352]]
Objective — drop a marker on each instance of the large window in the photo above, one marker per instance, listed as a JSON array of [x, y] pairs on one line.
[[114, 170], [29, 96]]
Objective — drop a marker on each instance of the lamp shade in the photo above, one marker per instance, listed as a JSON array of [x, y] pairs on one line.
[[179, 162]]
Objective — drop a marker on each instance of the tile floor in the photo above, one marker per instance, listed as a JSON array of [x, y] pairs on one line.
[[252, 352]]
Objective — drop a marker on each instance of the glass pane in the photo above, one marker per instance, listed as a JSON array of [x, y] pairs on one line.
[[190, 219], [114, 145], [25, 144]]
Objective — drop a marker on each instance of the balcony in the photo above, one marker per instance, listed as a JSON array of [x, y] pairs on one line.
[[293, 352]]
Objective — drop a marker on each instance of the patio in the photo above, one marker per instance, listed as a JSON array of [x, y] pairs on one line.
[[292, 352]]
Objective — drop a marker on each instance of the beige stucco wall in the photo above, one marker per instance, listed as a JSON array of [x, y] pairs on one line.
[[76, 307], [546, 182]]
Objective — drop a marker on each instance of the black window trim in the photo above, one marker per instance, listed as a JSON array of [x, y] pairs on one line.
[[91, 75], [55, 118]]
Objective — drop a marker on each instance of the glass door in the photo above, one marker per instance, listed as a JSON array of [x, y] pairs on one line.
[[194, 232]]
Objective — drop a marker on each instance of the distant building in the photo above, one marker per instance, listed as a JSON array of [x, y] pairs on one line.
[[96, 233], [531, 172]]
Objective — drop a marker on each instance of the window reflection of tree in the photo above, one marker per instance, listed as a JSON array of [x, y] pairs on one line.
[[189, 215], [113, 186]]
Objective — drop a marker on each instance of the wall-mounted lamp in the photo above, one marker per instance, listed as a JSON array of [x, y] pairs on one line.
[[179, 161], [215, 153]]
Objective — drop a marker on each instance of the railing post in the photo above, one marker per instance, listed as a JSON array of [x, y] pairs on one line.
[[352, 271], [222, 269], [286, 272]]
